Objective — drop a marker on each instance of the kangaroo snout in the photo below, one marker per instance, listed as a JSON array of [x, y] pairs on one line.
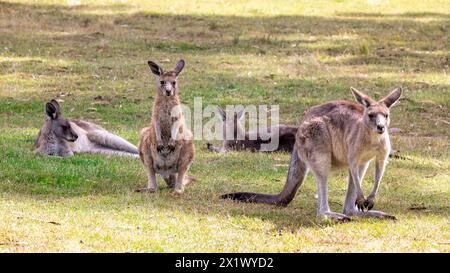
[[381, 129], [168, 92]]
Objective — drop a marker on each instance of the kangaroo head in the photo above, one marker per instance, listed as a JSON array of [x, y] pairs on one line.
[[167, 84], [58, 124], [231, 124], [376, 113]]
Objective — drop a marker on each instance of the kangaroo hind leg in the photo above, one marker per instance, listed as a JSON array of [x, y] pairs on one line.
[[147, 161], [314, 147], [321, 172]]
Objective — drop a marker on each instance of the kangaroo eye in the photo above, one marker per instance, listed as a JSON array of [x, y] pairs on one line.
[[161, 82], [371, 115], [173, 83]]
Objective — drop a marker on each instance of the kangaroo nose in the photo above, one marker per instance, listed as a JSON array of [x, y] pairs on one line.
[[380, 129], [168, 92]]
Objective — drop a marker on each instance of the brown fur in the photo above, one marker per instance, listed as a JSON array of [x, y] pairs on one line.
[[338, 134], [160, 151]]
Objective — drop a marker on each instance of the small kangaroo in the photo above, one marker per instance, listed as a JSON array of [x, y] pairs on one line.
[[338, 134], [63, 137], [252, 140], [166, 147]]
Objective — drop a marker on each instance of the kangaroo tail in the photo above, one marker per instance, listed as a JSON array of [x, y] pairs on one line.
[[296, 175], [112, 141]]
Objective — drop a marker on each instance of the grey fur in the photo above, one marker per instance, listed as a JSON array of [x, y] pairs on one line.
[[337, 135], [65, 137]]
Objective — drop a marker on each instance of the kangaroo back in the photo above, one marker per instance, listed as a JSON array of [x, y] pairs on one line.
[[111, 141]]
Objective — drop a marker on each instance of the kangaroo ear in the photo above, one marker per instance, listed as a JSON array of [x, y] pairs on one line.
[[365, 100], [393, 97], [51, 110], [179, 67], [221, 113], [156, 69]]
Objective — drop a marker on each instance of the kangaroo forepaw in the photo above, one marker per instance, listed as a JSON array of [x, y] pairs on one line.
[[159, 148], [360, 203], [369, 203]]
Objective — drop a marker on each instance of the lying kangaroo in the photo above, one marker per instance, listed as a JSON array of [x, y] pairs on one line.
[[335, 135], [252, 140], [166, 147], [63, 137]]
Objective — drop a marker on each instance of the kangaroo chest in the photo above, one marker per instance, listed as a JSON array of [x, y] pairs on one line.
[[168, 120], [167, 125], [378, 147]]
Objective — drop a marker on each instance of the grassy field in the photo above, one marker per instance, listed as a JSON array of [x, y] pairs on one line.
[[92, 57]]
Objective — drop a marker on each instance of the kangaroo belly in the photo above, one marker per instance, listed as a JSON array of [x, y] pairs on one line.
[[166, 163]]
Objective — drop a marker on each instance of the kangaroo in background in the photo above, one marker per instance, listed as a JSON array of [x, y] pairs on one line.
[[166, 147], [252, 140], [65, 137], [338, 134]]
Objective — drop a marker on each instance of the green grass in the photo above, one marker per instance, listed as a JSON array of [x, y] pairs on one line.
[[292, 53]]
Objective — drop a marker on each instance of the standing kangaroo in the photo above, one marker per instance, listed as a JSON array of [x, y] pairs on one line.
[[335, 135], [252, 140], [166, 147], [63, 137]]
